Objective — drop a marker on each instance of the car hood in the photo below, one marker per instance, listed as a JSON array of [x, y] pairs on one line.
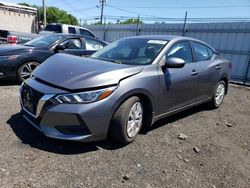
[[75, 73], [11, 47]]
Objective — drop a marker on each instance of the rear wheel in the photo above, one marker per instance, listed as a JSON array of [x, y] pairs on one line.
[[25, 70], [127, 121], [219, 94]]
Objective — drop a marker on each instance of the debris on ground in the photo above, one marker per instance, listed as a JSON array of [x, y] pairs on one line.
[[196, 150], [182, 136]]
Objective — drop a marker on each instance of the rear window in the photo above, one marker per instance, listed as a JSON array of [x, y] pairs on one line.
[[86, 33], [72, 30], [4, 34], [54, 28]]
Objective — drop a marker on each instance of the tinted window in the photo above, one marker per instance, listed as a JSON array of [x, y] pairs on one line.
[[54, 28], [201, 52], [140, 51], [72, 30], [44, 41], [86, 33], [72, 44], [92, 44], [181, 50]]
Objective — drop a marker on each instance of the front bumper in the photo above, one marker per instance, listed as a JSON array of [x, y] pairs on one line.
[[78, 122]]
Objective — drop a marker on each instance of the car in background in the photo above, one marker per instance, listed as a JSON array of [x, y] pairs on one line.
[[16, 37], [122, 88], [67, 29], [19, 61]]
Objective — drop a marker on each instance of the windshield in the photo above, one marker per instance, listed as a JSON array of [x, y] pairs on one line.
[[131, 51], [43, 41]]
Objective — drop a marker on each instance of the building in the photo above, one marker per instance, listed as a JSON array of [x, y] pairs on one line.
[[18, 18]]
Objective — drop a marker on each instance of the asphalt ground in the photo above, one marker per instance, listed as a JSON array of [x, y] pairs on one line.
[[214, 151]]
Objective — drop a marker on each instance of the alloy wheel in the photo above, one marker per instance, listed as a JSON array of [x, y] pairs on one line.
[[134, 119], [27, 69], [220, 93]]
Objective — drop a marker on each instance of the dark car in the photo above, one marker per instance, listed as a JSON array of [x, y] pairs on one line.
[[126, 86], [19, 61]]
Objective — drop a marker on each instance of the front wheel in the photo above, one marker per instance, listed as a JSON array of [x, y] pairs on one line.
[[127, 121], [219, 94], [25, 70]]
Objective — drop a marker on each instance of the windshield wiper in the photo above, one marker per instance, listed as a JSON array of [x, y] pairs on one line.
[[116, 61], [110, 60], [28, 45]]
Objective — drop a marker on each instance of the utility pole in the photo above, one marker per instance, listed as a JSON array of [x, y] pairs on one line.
[[138, 25], [184, 25], [44, 14], [102, 6]]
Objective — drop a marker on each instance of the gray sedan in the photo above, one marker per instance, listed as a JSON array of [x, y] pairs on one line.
[[123, 88]]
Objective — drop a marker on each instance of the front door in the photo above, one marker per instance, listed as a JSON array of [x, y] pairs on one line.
[[73, 46]]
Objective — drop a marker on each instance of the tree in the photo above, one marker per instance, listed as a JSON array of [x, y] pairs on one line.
[[130, 21], [25, 4], [55, 15]]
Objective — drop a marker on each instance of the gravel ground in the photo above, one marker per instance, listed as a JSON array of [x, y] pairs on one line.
[[213, 152]]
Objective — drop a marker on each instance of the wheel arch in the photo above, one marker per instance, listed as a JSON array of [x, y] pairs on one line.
[[26, 61], [147, 104], [226, 80]]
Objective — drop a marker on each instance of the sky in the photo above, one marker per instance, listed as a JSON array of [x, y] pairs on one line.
[[149, 10]]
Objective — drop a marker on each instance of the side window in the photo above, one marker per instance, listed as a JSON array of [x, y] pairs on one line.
[[181, 50], [86, 33], [72, 30], [92, 44], [210, 52], [72, 44], [201, 52]]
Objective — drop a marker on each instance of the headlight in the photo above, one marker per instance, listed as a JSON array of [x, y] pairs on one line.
[[9, 57], [84, 97]]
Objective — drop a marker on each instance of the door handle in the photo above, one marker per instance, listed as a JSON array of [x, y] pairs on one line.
[[194, 73], [218, 67]]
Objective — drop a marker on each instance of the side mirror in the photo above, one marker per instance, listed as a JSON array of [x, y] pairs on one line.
[[174, 62], [59, 48]]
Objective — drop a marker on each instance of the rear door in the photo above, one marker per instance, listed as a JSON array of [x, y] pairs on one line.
[[208, 69], [178, 86]]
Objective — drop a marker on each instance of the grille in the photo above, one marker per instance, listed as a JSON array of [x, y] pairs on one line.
[[30, 98], [73, 130]]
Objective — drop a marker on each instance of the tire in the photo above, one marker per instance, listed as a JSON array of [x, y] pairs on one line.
[[127, 121], [25, 70], [219, 94]]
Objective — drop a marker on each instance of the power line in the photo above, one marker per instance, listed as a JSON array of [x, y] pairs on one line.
[[184, 7], [69, 5], [128, 11], [61, 2], [113, 17], [78, 10]]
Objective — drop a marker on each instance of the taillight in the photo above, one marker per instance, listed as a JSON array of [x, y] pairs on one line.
[[11, 39]]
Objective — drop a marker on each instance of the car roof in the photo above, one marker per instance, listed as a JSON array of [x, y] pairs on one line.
[[165, 37], [76, 26], [75, 35], [168, 38]]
